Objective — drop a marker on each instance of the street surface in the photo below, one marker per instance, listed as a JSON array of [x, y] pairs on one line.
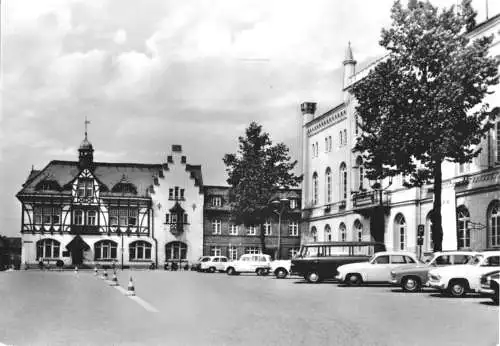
[[64, 308]]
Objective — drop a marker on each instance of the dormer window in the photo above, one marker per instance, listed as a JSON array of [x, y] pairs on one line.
[[216, 201], [85, 188]]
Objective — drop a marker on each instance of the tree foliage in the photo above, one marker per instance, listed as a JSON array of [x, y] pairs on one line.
[[255, 173], [423, 104]]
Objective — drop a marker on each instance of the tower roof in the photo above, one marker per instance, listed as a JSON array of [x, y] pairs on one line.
[[86, 145], [349, 59]]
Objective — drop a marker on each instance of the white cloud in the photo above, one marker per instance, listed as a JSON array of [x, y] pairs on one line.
[[120, 37]]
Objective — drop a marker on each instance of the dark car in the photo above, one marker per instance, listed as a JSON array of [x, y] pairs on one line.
[[319, 261]]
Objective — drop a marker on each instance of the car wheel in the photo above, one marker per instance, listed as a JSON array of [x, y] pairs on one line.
[[281, 273], [231, 271], [457, 288], [313, 277], [411, 284], [353, 279], [211, 270]]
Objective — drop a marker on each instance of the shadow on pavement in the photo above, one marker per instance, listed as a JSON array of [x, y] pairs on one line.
[[445, 296], [489, 303]]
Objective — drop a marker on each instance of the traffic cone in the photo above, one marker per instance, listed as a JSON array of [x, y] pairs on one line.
[[95, 271], [114, 280], [76, 269], [130, 288], [104, 275]]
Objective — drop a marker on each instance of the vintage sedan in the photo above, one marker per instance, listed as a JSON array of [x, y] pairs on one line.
[[458, 280], [489, 285], [411, 277], [377, 269]]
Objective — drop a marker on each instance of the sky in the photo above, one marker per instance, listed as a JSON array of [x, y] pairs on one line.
[[149, 74]]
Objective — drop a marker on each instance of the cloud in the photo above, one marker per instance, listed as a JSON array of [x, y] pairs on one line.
[[120, 37]]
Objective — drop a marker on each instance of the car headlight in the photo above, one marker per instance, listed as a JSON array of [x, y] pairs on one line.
[[393, 273]]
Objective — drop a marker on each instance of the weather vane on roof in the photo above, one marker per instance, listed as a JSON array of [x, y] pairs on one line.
[[86, 123]]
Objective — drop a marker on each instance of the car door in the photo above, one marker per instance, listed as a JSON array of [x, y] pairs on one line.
[[377, 269], [222, 264], [490, 263], [215, 263]]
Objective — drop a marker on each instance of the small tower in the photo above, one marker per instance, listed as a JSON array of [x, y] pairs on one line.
[[86, 152], [349, 65], [308, 110]]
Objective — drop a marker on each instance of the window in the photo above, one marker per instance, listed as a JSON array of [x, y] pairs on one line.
[[494, 225], [343, 232], [233, 229], [463, 231], [252, 250], [123, 217], [170, 193], [313, 151], [139, 250], [216, 201], [215, 251], [85, 188], [78, 217], [105, 250], [400, 232], [409, 259], [292, 252], [358, 230], [314, 234], [461, 259], [317, 149], [381, 260], [293, 228], [326, 144], [341, 139], [47, 248], [175, 193], [498, 141], [343, 181], [356, 123], [492, 261], [345, 136], [397, 259], [175, 250], [216, 226], [293, 203], [47, 215], [267, 228], [252, 230], [328, 233], [359, 164], [91, 217], [315, 188], [329, 143], [443, 260], [328, 184], [233, 253]]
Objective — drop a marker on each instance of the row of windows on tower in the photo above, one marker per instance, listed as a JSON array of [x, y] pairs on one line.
[[175, 218], [328, 143], [293, 228], [176, 193]]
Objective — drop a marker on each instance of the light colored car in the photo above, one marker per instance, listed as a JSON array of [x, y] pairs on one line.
[[489, 285], [411, 277], [460, 279], [377, 269], [212, 264], [250, 263], [197, 264], [281, 268]]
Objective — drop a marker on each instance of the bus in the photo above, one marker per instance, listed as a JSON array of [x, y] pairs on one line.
[[319, 261]]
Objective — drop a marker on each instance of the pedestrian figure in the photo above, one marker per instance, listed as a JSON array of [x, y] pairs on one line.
[[40, 264]]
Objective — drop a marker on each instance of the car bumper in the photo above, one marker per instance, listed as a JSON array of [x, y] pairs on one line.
[[394, 282], [436, 284], [486, 291]]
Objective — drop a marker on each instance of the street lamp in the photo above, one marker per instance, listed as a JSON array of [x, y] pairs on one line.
[[280, 206]]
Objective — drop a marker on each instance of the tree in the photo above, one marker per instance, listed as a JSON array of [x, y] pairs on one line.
[[256, 173], [423, 104]]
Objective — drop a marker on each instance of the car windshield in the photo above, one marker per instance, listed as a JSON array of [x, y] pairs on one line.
[[206, 259], [475, 260]]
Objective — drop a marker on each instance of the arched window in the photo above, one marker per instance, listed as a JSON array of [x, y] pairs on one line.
[[175, 250], [105, 250], [463, 231], [361, 176], [341, 140], [326, 144], [328, 233], [314, 234], [317, 149], [329, 143], [313, 151], [494, 224], [342, 232], [400, 232], [358, 231], [139, 250], [328, 185], [315, 188], [345, 136], [343, 181], [47, 248]]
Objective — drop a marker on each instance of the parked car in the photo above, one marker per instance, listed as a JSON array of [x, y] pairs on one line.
[[281, 268], [250, 263], [411, 277], [460, 279], [377, 269], [489, 285], [214, 263], [318, 261], [197, 264]]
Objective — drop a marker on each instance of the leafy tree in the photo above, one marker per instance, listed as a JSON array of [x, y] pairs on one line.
[[423, 104], [255, 173]]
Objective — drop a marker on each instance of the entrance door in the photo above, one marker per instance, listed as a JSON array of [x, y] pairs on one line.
[[77, 256]]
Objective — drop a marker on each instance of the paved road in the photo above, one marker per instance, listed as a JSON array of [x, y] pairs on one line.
[[61, 308]]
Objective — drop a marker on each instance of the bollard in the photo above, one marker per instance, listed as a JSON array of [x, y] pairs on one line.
[[76, 269], [95, 271], [114, 280], [130, 288], [104, 275]]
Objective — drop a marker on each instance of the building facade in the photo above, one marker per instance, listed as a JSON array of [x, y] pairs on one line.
[[98, 213], [222, 236], [339, 203]]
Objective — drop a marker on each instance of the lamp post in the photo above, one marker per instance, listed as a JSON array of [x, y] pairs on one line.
[[280, 206]]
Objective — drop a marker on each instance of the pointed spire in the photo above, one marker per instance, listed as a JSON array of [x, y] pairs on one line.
[[349, 59]]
